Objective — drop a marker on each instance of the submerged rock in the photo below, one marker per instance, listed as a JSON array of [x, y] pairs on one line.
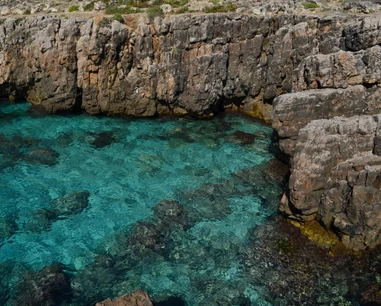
[[39, 220], [46, 287], [10, 272], [43, 156], [244, 138], [168, 213], [170, 301], [102, 139], [8, 227], [71, 204]]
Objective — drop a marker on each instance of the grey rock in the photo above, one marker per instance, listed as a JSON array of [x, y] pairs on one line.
[[335, 178], [295, 110], [100, 5]]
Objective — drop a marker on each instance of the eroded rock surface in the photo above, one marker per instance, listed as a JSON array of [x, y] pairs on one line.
[[198, 64], [335, 161]]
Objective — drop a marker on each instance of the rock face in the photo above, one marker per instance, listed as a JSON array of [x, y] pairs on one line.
[[198, 64], [321, 75], [335, 161]]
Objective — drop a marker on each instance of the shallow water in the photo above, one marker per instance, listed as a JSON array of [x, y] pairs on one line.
[[215, 170], [184, 209]]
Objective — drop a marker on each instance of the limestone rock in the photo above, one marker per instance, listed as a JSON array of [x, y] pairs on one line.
[[198, 64], [335, 177], [166, 8], [98, 6], [295, 110]]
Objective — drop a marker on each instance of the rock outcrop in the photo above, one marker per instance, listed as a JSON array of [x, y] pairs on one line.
[[330, 130], [198, 64]]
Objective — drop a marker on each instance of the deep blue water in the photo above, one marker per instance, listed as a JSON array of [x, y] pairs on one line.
[[213, 169]]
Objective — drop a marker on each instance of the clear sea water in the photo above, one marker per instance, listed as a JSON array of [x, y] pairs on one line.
[[128, 166]]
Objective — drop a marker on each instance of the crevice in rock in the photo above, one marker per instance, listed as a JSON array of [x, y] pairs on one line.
[[77, 107]]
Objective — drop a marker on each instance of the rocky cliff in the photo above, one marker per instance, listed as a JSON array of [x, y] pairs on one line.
[[198, 64], [317, 77]]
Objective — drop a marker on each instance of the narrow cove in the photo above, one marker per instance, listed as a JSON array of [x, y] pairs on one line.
[[184, 209]]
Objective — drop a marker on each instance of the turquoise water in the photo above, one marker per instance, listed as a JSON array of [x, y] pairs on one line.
[[121, 170]]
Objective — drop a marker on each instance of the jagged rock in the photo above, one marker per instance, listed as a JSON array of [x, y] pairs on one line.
[[207, 62], [335, 178], [136, 298], [295, 110], [362, 34]]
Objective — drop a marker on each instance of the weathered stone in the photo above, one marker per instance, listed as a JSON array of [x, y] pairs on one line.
[[99, 5], [295, 110], [198, 64], [335, 178]]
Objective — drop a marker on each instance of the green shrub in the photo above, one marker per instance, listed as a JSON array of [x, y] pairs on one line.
[[115, 9], [74, 8], [310, 5], [138, 3], [230, 7], [118, 17], [182, 10], [155, 11], [104, 22], [89, 6]]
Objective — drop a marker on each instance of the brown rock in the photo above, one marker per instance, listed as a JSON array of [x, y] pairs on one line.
[[136, 298]]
